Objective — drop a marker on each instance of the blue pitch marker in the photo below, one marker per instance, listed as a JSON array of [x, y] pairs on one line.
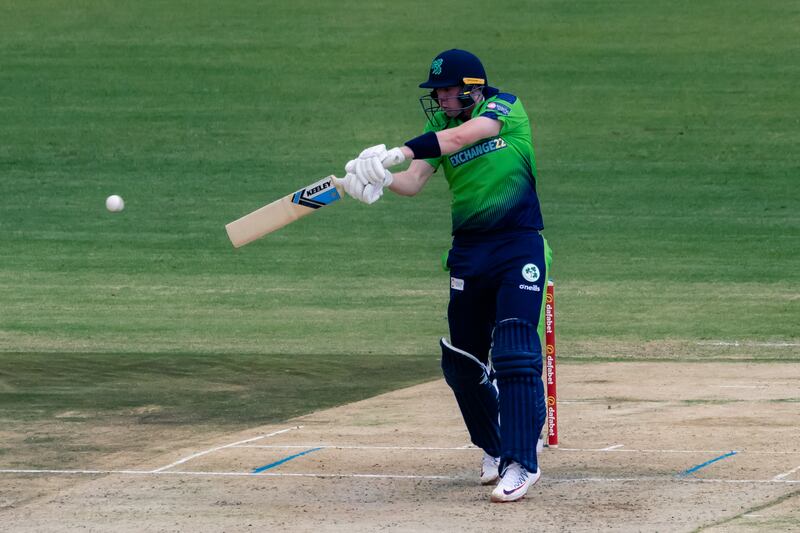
[[281, 461], [695, 468]]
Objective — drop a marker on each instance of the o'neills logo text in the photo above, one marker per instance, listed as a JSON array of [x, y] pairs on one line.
[[468, 154]]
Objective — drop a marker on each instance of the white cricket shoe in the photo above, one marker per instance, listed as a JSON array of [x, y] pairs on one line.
[[489, 465], [514, 483]]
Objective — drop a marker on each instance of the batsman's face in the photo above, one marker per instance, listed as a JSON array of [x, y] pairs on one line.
[[448, 100]]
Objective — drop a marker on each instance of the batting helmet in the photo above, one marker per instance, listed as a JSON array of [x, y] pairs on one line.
[[455, 67], [452, 68]]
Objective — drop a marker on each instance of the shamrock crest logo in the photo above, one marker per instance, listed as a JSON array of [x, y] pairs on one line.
[[530, 272], [436, 66]]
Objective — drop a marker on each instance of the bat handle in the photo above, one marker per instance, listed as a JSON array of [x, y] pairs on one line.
[[339, 184]]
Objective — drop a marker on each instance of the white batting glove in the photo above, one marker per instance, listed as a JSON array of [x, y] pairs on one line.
[[372, 194], [393, 157], [367, 193], [379, 151], [350, 168], [370, 170], [371, 165], [388, 158]]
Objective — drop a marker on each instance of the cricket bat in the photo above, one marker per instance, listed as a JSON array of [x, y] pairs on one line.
[[281, 212], [300, 203]]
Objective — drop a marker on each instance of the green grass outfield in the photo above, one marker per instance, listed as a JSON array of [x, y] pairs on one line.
[[667, 141]]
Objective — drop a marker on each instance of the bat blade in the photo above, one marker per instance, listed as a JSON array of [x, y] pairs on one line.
[[283, 211]]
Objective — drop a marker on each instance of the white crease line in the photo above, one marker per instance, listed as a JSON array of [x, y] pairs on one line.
[[369, 476], [612, 449], [79, 472], [233, 474], [198, 454], [398, 476], [469, 447], [630, 450], [335, 447], [663, 479], [786, 474]]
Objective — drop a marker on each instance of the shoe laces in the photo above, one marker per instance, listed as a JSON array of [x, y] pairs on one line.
[[516, 472]]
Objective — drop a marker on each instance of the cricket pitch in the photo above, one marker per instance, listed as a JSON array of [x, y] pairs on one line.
[[643, 446]]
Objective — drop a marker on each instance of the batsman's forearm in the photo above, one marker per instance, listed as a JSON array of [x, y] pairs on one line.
[[450, 141], [454, 139], [405, 184]]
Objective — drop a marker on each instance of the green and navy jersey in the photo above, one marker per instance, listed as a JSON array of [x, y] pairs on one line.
[[493, 181]]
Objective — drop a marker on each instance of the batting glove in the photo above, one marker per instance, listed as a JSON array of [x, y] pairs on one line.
[[370, 169], [366, 193], [371, 164]]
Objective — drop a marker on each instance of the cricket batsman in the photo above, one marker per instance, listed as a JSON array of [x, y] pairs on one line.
[[481, 138]]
